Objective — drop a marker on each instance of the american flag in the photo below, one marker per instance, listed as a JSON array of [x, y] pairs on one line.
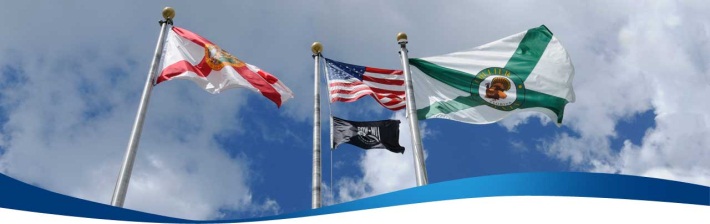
[[348, 83]]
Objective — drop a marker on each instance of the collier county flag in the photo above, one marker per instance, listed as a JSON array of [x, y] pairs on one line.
[[528, 71], [190, 56]]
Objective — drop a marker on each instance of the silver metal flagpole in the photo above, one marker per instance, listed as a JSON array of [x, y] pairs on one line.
[[316, 48], [419, 166], [119, 193]]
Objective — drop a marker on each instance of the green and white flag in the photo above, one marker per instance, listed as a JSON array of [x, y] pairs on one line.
[[528, 71]]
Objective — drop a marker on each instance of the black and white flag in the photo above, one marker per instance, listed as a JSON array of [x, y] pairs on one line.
[[367, 134]]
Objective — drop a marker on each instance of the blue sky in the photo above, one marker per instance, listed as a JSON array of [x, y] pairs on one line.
[[71, 75]]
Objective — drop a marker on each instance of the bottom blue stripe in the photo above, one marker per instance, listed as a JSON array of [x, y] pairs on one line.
[[18, 195]]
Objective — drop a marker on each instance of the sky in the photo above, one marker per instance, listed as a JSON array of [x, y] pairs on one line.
[[72, 72]]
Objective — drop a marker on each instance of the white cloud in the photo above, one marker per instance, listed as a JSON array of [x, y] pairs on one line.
[[521, 118], [581, 153], [661, 65]]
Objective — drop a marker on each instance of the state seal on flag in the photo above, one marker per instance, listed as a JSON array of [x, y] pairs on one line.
[[498, 88], [217, 58]]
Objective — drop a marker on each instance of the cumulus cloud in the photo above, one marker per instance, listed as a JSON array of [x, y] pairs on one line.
[[661, 65]]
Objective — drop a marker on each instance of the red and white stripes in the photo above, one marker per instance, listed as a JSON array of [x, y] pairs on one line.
[[386, 86]]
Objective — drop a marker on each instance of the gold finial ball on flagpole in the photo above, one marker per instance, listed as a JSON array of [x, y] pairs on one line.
[[168, 13], [316, 48], [401, 36]]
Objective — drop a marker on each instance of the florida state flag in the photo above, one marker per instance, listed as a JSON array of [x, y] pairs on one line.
[[190, 56]]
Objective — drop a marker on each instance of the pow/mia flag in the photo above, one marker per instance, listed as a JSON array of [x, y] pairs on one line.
[[367, 134]]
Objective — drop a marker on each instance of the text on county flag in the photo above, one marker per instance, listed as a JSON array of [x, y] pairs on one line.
[[348, 83], [528, 71], [192, 57]]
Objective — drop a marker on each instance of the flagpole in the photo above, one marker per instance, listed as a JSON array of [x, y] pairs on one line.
[[119, 193], [419, 166], [316, 48]]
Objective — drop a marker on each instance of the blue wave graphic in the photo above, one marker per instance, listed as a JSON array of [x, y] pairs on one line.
[[18, 195], [21, 196]]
